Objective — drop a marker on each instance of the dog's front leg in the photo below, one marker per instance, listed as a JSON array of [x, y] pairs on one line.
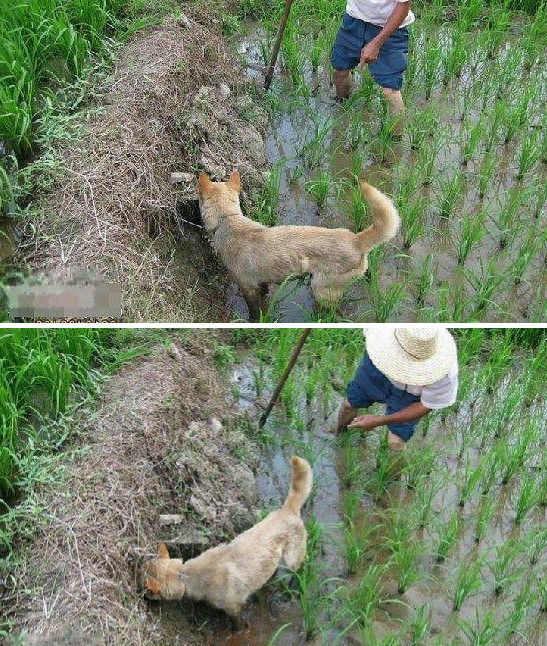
[[234, 613], [237, 624], [252, 298]]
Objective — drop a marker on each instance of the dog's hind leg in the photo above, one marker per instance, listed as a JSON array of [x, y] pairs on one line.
[[294, 551], [326, 289]]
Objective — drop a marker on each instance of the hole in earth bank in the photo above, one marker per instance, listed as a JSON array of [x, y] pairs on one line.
[[188, 213]]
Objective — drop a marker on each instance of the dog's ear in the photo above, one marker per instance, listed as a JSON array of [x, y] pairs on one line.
[[162, 551], [234, 181], [204, 182]]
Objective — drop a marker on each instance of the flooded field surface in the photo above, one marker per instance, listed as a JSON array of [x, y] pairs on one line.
[[469, 176]]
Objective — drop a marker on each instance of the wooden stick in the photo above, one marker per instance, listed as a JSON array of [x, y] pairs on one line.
[[292, 361], [271, 66]]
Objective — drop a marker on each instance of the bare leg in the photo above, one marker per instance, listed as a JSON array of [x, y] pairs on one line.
[[346, 414], [396, 447], [396, 108], [342, 83]]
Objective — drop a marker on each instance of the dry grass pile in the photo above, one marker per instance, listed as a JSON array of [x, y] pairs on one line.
[[176, 101], [149, 450]]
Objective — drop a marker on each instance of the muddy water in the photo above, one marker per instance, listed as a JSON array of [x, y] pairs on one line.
[[304, 118]]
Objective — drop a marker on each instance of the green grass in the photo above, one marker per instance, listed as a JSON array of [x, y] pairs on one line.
[[47, 50], [44, 374]]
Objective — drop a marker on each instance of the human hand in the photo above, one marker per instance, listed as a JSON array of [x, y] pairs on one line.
[[366, 422], [369, 53]]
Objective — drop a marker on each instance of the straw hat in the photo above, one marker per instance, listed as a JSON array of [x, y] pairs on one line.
[[413, 356]]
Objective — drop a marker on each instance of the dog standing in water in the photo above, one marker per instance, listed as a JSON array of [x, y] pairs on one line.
[[256, 255], [227, 575]]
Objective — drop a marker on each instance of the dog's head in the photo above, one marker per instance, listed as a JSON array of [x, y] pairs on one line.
[[159, 578], [218, 199]]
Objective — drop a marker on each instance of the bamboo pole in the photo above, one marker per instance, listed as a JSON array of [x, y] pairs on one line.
[[284, 376], [270, 70]]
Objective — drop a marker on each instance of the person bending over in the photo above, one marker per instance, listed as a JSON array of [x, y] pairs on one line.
[[411, 370]]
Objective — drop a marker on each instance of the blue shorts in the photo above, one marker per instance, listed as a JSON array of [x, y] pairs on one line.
[[369, 386], [387, 70]]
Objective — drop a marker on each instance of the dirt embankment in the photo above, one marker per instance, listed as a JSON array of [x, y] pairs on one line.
[[150, 449], [177, 100]]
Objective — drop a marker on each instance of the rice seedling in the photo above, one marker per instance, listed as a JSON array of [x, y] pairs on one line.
[[520, 609], [528, 498], [366, 596], [471, 231], [357, 207], [432, 63], [485, 174], [315, 143], [492, 136], [514, 453], [419, 625], [503, 567], [405, 556], [450, 194], [486, 631], [426, 279], [485, 284], [320, 188], [447, 536], [528, 155], [484, 516], [421, 127], [518, 115], [316, 52], [267, 208], [471, 135], [523, 256], [426, 160], [468, 581], [456, 57], [472, 476]]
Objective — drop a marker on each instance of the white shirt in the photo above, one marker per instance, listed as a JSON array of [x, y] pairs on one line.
[[376, 11], [439, 394]]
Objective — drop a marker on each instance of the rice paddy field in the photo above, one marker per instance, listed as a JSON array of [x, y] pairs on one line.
[[469, 176], [451, 554]]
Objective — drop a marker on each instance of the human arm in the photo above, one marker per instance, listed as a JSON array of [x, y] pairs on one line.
[[410, 413], [370, 51]]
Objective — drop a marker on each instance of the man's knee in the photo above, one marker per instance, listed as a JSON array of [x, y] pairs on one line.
[[346, 414], [394, 441], [342, 83]]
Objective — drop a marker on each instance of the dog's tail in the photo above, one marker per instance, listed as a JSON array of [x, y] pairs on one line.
[[385, 219], [301, 481]]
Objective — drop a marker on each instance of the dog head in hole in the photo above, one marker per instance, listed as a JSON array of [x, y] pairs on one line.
[[159, 577], [218, 199]]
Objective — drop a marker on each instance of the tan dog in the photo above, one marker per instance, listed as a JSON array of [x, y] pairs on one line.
[[256, 255], [225, 576]]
